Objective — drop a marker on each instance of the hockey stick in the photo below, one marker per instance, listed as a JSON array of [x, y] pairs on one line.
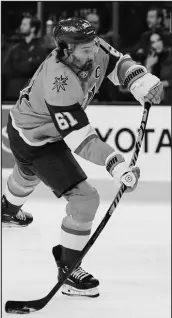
[[26, 307]]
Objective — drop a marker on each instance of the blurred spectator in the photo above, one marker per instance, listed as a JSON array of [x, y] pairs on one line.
[[155, 22], [158, 62], [167, 19], [48, 37], [23, 58], [155, 18], [94, 20]]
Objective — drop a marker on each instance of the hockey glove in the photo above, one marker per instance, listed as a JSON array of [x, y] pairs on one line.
[[144, 86], [119, 170]]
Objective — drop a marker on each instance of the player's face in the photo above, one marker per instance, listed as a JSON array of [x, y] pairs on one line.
[[156, 43], [25, 28], [85, 54]]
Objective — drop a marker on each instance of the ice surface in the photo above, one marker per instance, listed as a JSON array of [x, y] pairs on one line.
[[131, 258]]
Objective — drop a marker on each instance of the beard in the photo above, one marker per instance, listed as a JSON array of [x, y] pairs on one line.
[[87, 66]]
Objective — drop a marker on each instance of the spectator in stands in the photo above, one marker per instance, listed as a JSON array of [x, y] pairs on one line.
[[167, 19], [23, 58], [158, 62], [48, 37], [94, 20], [155, 22]]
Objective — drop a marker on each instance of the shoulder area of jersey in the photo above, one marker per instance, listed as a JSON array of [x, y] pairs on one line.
[[61, 86], [109, 49]]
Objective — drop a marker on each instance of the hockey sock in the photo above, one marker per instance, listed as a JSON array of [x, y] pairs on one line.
[[14, 199], [19, 186], [73, 240], [83, 202]]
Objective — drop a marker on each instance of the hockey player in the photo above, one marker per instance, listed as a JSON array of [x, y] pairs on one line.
[[48, 123]]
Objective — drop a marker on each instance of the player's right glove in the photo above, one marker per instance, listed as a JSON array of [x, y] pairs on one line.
[[119, 170], [144, 86]]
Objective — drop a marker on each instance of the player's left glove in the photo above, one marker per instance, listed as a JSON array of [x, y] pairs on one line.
[[119, 170], [145, 87]]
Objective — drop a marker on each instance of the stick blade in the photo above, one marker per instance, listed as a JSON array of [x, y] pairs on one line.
[[22, 307]]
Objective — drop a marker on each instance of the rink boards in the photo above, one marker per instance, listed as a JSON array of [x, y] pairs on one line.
[[118, 126]]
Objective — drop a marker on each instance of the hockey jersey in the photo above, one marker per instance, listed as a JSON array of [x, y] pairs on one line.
[[52, 106]]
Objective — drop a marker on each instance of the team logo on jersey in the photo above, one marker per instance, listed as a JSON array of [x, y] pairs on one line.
[[97, 72], [60, 83]]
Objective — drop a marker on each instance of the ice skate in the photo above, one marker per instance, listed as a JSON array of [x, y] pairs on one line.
[[13, 216], [80, 283]]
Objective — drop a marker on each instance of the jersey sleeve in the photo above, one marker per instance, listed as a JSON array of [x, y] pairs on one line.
[[118, 64]]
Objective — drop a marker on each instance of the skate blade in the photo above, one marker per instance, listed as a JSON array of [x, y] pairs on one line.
[[72, 291], [12, 225]]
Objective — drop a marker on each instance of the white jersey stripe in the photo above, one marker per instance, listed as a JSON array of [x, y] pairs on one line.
[[72, 241], [76, 137]]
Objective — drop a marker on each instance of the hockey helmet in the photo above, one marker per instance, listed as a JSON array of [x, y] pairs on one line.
[[74, 31]]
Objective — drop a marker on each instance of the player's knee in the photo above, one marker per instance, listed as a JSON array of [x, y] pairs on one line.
[[90, 206], [83, 206]]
